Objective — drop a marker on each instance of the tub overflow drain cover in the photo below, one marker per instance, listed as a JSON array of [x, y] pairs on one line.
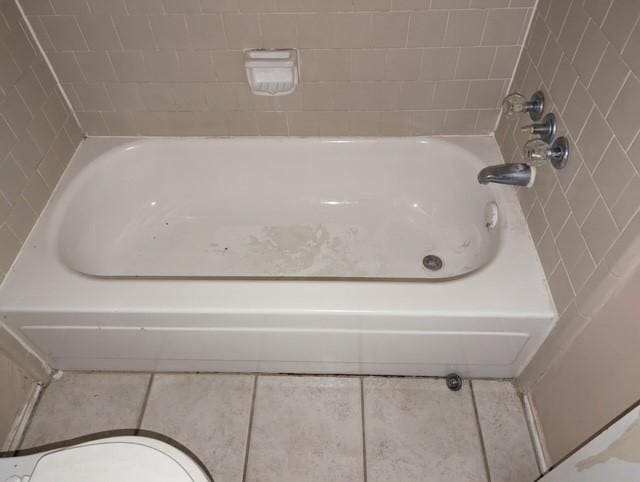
[[432, 262]]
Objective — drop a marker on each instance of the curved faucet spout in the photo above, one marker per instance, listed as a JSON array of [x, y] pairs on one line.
[[512, 174]]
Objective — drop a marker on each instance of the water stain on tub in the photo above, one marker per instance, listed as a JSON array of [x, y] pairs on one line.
[[298, 249]]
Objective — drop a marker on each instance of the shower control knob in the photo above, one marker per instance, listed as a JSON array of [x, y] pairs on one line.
[[537, 151], [515, 104], [546, 129]]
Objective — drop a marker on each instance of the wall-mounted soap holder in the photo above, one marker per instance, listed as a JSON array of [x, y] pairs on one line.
[[272, 72]]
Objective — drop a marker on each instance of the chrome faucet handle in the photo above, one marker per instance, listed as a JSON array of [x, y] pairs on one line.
[[537, 151], [545, 129], [515, 104]]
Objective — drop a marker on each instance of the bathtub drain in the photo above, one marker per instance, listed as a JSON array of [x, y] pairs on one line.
[[432, 262]]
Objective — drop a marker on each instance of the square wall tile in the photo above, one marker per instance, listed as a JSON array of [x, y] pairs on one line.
[[369, 42], [465, 27], [504, 27]]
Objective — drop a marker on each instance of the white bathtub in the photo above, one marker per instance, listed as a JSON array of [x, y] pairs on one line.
[[294, 255]]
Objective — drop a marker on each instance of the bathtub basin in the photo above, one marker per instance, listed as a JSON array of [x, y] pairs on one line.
[[376, 256], [331, 209]]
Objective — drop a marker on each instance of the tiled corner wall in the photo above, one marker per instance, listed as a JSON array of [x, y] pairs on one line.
[[585, 54], [368, 67], [37, 133], [585, 219]]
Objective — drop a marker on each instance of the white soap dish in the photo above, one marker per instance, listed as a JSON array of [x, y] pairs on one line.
[[272, 72]]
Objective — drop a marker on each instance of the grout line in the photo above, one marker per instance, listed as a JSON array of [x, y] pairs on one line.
[[145, 401], [484, 27], [615, 98], [457, 66], [633, 141], [561, 112], [364, 439], [564, 223], [406, 37], [250, 428], [584, 124], [564, 22], [446, 28], [626, 42], [579, 44], [480, 436], [493, 63], [604, 18], [39, 47]]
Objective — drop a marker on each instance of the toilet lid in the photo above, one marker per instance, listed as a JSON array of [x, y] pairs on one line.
[[117, 461]]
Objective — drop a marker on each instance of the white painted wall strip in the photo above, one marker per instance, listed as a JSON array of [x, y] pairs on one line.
[[536, 439]]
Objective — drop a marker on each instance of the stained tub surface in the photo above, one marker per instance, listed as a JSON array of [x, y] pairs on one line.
[[126, 268], [276, 208]]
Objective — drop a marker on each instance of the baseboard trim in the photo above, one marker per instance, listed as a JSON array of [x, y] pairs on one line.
[[19, 426], [536, 439]]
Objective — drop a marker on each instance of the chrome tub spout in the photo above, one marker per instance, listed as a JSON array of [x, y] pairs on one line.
[[512, 174]]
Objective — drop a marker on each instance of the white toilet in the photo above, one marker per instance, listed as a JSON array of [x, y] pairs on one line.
[[112, 459]]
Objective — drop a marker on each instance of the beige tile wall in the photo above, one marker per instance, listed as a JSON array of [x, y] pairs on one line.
[[585, 54], [369, 67], [37, 133]]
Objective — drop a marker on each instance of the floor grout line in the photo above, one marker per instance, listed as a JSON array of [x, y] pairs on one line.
[[144, 402], [250, 428], [364, 439], [482, 446]]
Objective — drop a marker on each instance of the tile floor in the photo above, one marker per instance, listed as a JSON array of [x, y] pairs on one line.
[[305, 428]]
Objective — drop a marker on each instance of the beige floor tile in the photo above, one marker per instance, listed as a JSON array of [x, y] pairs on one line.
[[84, 403], [306, 429], [418, 430], [208, 414], [504, 429]]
